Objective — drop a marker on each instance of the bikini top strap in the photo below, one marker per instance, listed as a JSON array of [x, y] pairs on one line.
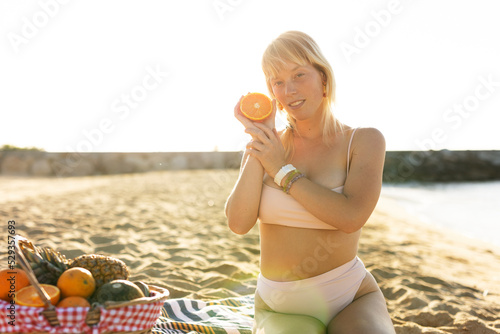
[[349, 150]]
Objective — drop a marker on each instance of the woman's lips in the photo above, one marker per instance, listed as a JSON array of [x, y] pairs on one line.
[[296, 104]]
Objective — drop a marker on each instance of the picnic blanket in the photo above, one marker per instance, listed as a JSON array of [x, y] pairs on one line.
[[223, 316]]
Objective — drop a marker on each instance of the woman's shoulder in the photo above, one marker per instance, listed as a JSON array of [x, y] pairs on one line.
[[368, 138], [368, 133]]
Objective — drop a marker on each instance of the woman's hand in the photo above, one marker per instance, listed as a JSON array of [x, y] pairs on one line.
[[267, 147], [266, 144]]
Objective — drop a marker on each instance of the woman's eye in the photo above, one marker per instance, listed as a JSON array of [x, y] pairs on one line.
[[278, 83], [299, 75]]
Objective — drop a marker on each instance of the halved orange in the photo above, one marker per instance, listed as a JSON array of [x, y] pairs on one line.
[[256, 106], [11, 281], [29, 297]]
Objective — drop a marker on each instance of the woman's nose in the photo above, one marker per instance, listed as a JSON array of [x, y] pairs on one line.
[[290, 89]]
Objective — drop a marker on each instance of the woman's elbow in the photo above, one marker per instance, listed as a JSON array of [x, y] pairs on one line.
[[239, 223], [238, 230], [354, 224], [352, 228], [239, 220], [237, 227], [348, 224]]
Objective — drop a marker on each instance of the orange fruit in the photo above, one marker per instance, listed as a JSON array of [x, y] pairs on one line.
[[256, 106], [73, 301], [76, 281], [29, 297], [11, 281]]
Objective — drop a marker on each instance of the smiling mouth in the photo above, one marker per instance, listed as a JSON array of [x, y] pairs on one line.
[[296, 103]]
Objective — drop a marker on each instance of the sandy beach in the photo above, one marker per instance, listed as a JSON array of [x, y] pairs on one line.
[[170, 229]]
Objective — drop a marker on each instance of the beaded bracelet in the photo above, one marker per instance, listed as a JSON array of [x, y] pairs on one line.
[[289, 185], [289, 178]]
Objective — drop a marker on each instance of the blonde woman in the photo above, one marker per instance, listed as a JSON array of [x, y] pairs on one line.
[[311, 187]]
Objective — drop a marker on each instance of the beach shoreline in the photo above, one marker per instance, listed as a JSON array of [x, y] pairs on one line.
[[169, 228]]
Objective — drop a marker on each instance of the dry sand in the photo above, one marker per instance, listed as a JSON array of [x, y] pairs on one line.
[[170, 229]]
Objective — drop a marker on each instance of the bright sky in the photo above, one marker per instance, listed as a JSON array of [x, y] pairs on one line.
[[158, 75]]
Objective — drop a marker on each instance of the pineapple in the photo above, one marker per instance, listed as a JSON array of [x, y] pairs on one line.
[[103, 268], [46, 263]]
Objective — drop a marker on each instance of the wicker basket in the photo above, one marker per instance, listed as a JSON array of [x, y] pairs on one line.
[[93, 315]]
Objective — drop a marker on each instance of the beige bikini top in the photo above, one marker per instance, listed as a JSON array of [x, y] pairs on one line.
[[279, 208]]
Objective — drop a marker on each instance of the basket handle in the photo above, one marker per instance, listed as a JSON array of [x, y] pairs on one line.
[[31, 276]]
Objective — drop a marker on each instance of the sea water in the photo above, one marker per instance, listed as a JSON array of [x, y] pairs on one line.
[[470, 208]]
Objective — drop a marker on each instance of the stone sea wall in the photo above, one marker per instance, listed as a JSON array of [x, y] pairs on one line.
[[36, 163], [400, 166], [441, 166]]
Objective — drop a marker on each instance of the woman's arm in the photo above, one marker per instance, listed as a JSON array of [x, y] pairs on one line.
[[242, 205], [348, 211]]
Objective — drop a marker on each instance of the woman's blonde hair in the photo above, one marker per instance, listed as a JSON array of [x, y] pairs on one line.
[[299, 48]]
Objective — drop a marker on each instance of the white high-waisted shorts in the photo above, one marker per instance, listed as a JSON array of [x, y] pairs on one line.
[[321, 297]]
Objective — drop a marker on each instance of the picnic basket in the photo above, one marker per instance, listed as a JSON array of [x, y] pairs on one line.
[[137, 316]]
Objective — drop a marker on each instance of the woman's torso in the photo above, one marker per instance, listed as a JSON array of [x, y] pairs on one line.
[[291, 253]]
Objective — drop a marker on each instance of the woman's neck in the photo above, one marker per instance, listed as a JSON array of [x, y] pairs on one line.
[[309, 129]]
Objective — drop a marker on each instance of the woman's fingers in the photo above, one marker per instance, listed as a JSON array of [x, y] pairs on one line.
[[269, 132], [255, 145], [237, 106], [240, 117], [257, 133]]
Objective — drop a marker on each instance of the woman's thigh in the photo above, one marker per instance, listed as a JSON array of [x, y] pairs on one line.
[[366, 314], [270, 322]]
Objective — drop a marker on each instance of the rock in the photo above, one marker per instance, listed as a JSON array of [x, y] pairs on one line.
[[441, 166], [158, 161], [137, 163], [71, 164], [16, 165], [179, 162], [113, 163], [82, 168], [41, 168]]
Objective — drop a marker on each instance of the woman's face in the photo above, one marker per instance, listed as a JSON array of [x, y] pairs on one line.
[[299, 88]]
